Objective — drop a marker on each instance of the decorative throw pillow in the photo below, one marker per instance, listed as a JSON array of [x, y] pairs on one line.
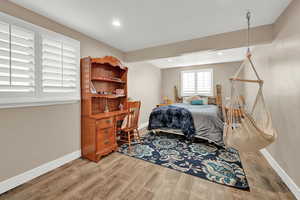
[[190, 99], [204, 99], [197, 102]]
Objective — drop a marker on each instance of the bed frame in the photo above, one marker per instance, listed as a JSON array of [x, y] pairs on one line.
[[178, 132], [215, 100]]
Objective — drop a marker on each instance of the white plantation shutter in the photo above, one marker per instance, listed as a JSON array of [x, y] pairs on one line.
[[197, 82], [59, 66], [188, 83], [204, 82], [16, 59]]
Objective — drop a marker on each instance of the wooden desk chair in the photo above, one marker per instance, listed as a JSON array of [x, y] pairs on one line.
[[129, 129]]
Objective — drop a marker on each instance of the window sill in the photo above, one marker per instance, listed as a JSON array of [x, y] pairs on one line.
[[191, 95], [37, 103]]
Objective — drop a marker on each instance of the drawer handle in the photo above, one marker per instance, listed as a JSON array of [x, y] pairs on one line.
[[106, 131], [108, 121], [106, 142]]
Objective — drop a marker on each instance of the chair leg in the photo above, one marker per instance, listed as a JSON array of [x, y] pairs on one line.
[[138, 135], [129, 140]]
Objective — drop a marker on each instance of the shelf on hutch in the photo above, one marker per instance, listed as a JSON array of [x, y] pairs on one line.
[[107, 79], [108, 96]]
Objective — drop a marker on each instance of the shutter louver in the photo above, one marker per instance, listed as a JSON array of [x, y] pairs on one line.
[[16, 59], [59, 63]]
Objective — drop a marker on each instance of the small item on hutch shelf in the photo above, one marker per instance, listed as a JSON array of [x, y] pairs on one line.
[[93, 90], [119, 91], [116, 79], [121, 107], [105, 92], [106, 109]]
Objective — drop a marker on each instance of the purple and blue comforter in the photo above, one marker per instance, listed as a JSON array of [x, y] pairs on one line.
[[173, 117]]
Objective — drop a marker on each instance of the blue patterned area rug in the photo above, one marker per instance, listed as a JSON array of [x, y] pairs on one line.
[[199, 159]]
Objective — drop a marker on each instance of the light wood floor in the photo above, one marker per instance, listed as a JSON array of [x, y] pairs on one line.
[[121, 177]]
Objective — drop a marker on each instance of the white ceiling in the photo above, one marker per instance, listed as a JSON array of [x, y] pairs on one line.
[[202, 58], [147, 23]]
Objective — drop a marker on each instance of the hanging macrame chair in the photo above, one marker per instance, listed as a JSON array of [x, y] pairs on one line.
[[247, 129]]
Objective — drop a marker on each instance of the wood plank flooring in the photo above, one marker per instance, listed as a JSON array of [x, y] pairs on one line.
[[119, 177]]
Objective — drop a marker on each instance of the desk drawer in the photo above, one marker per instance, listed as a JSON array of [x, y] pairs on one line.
[[105, 139], [104, 123]]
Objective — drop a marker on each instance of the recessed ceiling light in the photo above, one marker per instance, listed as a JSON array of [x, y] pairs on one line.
[[220, 53], [170, 60], [116, 23]]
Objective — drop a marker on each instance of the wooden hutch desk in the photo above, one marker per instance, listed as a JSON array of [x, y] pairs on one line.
[[101, 105]]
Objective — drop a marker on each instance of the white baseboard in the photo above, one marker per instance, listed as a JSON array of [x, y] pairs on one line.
[[283, 175], [143, 125], [38, 171]]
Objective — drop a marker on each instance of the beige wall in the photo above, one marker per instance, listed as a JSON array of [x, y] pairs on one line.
[[33, 136], [221, 72], [279, 65], [144, 82]]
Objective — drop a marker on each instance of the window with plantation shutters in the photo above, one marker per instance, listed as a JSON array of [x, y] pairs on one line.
[[59, 67], [17, 60], [197, 82], [37, 66]]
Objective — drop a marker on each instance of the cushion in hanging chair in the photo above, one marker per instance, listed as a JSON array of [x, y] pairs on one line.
[[247, 137]]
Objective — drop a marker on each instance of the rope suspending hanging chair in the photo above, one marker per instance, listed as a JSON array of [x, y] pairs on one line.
[[245, 129]]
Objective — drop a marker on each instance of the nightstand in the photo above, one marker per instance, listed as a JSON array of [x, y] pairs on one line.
[[163, 104]]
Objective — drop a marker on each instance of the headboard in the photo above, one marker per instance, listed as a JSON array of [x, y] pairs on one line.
[[216, 100]]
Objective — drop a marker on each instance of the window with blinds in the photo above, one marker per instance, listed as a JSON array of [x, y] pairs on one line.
[[16, 59], [197, 82], [37, 66], [59, 65]]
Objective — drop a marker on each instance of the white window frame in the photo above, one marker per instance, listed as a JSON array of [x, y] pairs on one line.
[[211, 93], [38, 98]]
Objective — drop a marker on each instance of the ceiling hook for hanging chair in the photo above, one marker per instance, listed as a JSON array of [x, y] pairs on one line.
[[248, 17]]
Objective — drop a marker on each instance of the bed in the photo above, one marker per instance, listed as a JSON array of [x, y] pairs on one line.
[[207, 120]]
